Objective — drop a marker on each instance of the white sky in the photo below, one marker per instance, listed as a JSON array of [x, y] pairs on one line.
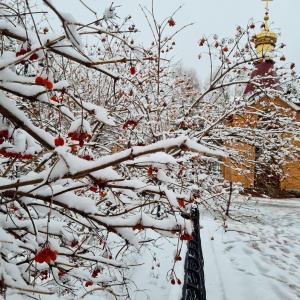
[[218, 16]]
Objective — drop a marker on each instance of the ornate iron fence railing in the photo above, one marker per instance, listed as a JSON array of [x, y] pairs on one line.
[[194, 283]]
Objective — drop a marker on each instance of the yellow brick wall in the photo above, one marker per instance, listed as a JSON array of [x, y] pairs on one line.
[[245, 172], [291, 182]]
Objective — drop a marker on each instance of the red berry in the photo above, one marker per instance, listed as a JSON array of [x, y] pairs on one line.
[[33, 56], [95, 273], [48, 85], [53, 98], [25, 156], [39, 80], [132, 70], [202, 41], [81, 143], [74, 243], [181, 203], [60, 274], [179, 281], [171, 22], [138, 227], [73, 148], [59, 141], [173, 281], [53, 255], [22, 52], [39, 258], [87, 157], [88, 283], [93, 189], [47, 256]]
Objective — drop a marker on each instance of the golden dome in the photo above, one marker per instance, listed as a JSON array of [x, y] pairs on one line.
[[266, 40]]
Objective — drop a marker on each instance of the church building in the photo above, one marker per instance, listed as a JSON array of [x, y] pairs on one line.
[[270, 175]]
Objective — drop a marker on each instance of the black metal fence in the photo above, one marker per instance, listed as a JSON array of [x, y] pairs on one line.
[[194, 284]]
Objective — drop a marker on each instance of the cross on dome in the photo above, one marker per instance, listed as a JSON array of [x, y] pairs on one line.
[[266, 18], [267, 5]]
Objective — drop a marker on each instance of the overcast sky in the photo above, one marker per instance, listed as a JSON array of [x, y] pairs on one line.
[[209, 16]]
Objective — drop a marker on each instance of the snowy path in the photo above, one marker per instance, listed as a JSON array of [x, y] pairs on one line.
[[261, 263]]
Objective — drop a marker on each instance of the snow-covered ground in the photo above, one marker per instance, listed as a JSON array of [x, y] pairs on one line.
[[257, 259]]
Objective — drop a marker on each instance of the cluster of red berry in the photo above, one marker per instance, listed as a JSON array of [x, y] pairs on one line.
[[44, 81], [202, 41], [130, 123], [79, 136], [101, 182], [182, 124], [85, 154], [44, 274], [138, 226], [171, 22], [95, 273], [54, 98], [23, 51], [177, 258], [15, 154], [3, 136], [151, 170], [181, 203], [74, 243], [186, 237], [173, 281], [8, 154], [94, 189], [45, 255], [88, 283], [87, 157]]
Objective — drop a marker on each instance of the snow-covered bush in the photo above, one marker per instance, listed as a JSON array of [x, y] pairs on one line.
[[84, 170]]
